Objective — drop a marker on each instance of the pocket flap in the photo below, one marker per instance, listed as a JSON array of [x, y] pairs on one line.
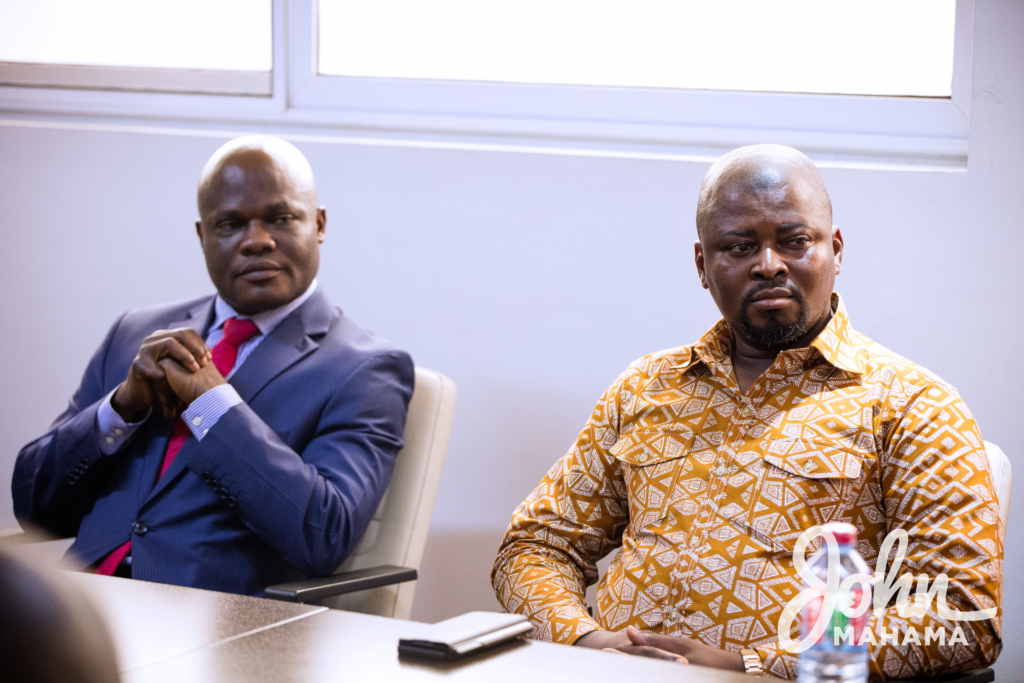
[[642, 448], [814, 460]]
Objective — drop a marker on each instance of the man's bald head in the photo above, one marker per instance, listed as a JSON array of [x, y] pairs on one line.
[[768, 251], [756, 170], [259, 223], [231, 161]]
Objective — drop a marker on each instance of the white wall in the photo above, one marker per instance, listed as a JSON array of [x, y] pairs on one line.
[[531, 280]]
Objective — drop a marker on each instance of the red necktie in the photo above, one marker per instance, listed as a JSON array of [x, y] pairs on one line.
[[225, 353]]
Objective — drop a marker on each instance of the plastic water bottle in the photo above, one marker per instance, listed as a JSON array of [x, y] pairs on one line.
[[836, 657]]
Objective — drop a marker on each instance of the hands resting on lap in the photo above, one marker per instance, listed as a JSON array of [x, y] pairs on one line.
[[633, 641]]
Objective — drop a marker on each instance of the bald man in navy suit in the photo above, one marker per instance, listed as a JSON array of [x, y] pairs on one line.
[[238, 440]]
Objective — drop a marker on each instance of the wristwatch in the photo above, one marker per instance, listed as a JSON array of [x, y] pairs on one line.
[[752, 662]]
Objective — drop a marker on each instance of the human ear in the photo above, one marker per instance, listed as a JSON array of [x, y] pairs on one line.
[[837, 247], [698, 256], [321, 224]]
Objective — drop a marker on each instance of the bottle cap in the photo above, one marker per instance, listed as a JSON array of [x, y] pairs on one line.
[[845, 534]]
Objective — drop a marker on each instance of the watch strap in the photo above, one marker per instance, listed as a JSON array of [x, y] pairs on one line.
[[752, 662]]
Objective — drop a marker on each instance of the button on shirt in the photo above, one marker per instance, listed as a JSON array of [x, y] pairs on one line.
[[112, 432], [702, 493]]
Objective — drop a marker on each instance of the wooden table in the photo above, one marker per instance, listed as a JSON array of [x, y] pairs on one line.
[[152, 623], [344, 646], [166, 633]]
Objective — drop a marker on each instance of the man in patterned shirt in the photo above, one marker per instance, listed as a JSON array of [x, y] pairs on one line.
[[703, 464]]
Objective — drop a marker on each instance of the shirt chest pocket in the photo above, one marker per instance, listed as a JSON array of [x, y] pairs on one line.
[[801, 484], [652, 464]]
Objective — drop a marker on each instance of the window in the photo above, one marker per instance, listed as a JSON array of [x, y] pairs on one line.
[[851, 81], [870, 47], [219, 46]]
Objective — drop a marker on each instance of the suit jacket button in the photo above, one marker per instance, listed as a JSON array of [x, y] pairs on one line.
[[207, 477], [230, 500], [140, 528]]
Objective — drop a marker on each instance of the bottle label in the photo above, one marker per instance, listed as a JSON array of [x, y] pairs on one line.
[[841, 633]]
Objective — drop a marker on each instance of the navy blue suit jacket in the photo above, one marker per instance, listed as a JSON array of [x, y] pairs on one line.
[[284, 485]]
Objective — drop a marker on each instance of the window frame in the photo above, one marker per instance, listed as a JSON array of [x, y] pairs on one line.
[[844, 128], [135, 79], [186, 95]]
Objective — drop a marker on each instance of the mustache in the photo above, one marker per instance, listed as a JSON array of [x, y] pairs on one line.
[[748, 298]]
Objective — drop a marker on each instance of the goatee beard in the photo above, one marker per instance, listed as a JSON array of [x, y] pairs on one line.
[[773, 333]]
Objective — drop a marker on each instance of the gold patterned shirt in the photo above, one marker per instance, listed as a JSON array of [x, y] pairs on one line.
[[704, 490]]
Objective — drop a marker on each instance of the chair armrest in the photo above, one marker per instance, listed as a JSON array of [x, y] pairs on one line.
[[339, 584]]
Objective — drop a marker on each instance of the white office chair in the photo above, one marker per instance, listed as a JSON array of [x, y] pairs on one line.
[[1002, 476], [377, 578]]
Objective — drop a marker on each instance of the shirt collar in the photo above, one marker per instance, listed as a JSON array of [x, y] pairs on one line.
[[266, 321], [836, 343]]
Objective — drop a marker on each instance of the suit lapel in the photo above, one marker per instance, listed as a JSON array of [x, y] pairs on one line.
[[198, 318], [282, 348], [157, 432], [286, 344]]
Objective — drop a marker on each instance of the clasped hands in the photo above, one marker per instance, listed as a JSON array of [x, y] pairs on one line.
[[172, 369], [633, 641]]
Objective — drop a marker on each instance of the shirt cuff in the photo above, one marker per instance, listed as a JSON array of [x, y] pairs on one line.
[[204, 412], [112, 432]]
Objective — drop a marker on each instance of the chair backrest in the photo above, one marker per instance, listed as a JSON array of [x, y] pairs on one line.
[[398, 532], [1002, 476]]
